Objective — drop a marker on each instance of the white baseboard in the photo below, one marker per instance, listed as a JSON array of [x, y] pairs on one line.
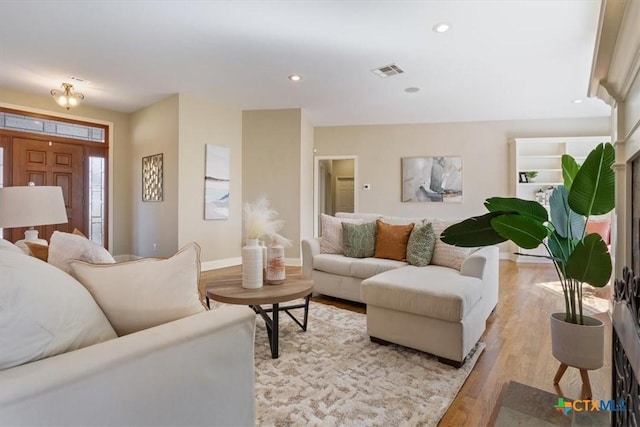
[[220, 263], [293, 262], [505, 255]]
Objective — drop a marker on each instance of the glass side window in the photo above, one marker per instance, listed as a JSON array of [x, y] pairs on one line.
[[96, 199]]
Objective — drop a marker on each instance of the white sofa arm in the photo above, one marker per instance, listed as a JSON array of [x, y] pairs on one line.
[[484, 264], [310, 248], [198, 370]]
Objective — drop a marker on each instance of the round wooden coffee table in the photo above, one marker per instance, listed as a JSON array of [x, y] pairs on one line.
[[229, 290]]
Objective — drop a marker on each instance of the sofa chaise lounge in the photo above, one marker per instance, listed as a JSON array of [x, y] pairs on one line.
[[438, 309]]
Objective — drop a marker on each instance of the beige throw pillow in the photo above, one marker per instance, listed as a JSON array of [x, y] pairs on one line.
[[148, 292], [448, 255], [331, 241]]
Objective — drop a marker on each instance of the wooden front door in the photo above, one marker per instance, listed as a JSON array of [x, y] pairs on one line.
[[56, 164]]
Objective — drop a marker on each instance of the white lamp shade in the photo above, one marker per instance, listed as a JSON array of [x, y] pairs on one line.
[[31, 206]]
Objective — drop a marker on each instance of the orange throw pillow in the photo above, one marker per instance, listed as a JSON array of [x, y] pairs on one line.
[[391, 240], [39, 251]]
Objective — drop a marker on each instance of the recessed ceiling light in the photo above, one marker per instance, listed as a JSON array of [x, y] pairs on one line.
[[442, 27], [295, 78], [412, 89], [577, 101]]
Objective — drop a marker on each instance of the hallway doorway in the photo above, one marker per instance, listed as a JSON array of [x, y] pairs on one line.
[[335, 184]]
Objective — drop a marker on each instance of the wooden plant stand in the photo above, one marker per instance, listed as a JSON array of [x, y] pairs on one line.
[[584, 374]]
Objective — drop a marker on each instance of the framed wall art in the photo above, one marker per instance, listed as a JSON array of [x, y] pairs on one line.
[[217, 174], [152, 175], [432, 179]]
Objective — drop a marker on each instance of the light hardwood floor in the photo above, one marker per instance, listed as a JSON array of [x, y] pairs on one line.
[[518, 343]]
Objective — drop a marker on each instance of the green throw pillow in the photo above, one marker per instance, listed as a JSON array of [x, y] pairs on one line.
[[420, 246], [359, 239]]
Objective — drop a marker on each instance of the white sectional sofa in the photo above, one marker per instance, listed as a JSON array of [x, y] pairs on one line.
[[437, 309], [196, 370]]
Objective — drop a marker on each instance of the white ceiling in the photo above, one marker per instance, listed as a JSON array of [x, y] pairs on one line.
[[501, 60]]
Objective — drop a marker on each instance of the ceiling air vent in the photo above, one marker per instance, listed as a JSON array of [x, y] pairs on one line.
[[387, 71]]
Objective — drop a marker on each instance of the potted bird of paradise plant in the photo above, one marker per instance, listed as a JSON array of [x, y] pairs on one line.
[[578, 256]]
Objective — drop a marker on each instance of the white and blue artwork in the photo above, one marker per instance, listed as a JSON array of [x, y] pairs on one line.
[[432, 179], [216, 182]]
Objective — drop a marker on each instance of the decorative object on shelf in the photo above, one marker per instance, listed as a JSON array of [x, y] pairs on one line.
[[531, 176], [522, 178], [66, 98], [579, 257], [152, 175], [259, 222], [30, 206], [217, 183], [432, 179]]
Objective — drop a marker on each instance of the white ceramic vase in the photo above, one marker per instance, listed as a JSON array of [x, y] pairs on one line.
[[275, 264], [252, 264], [580, 346]]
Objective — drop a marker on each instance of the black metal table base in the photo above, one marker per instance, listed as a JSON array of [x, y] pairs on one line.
[[272, 322]]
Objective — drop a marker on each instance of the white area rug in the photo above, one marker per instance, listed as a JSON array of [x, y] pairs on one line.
[[333, 375]]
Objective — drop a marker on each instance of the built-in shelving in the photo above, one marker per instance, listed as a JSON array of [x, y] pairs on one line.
[[544, 155]]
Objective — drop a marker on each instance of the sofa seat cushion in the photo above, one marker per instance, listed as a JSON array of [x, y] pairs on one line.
[[367, 267], [333, 263], [432, 291]]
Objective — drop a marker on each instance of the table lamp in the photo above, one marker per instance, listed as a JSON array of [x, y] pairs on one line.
[[29, 206]]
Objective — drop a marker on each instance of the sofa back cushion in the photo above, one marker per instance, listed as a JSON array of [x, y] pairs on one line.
[[148, 292], [421, 244], [448, 255], [331, 240], [44, 311], [391, 240], [364, 217], [359, 239]]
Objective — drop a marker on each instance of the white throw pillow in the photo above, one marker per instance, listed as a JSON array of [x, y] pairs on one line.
[[140, 294], [6, 245], [444, 254], [65, 247], [44, 311], [331, 241]]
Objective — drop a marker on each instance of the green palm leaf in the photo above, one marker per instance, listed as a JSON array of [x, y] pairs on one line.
[[566, 222], [521, 230], [569, 170], [473, 232], [525, 208], [592, 191], [590, 262]]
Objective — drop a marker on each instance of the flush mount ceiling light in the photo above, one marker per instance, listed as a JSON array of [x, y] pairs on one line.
[[66, 98], [295, 78], [441, 27]]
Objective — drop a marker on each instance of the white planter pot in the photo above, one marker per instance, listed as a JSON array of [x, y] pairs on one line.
[[252, 256], [580, 346]]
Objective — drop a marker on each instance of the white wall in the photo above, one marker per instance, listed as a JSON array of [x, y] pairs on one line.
[[271, 166], [154, 130], [202, 122], [482, 145]]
